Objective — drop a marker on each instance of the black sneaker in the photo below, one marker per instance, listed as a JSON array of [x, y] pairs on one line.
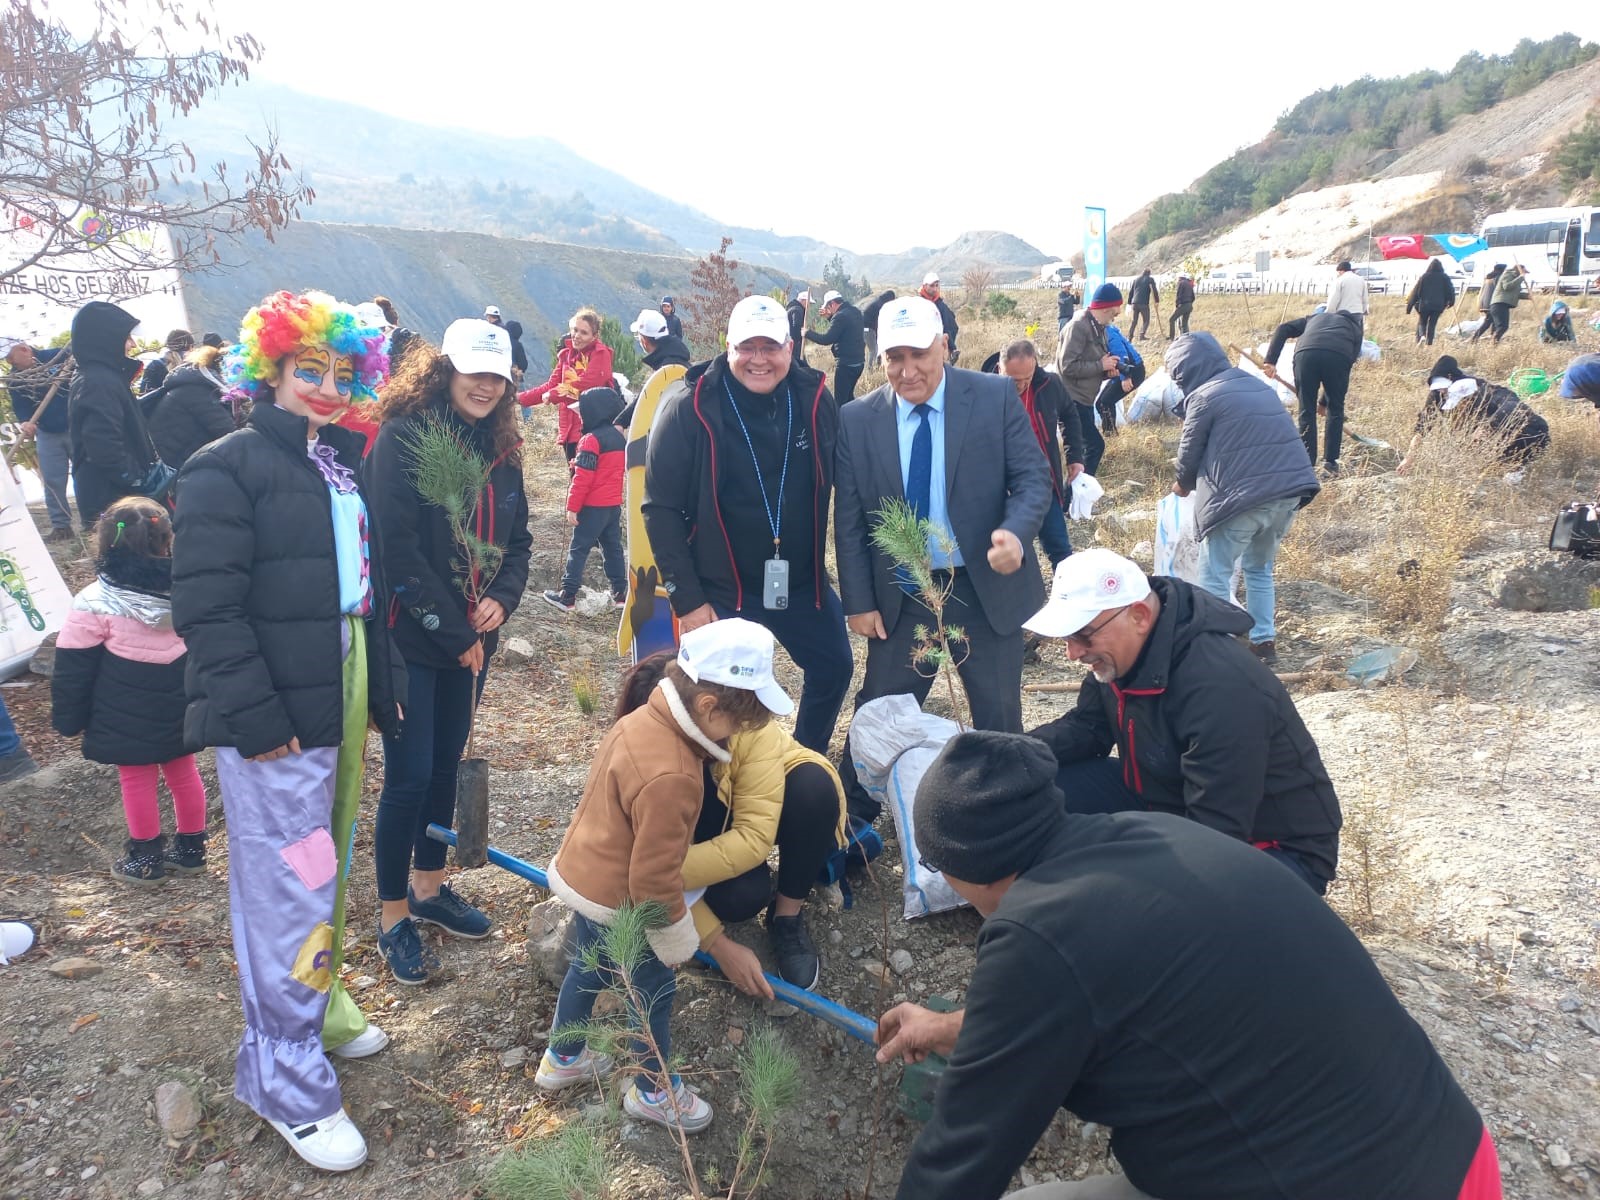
[[798, 961], [187, 855], [18, 764], [1267, 652], [619, 599], [450, 913], [565, 601], [409, 961], [143, 862]]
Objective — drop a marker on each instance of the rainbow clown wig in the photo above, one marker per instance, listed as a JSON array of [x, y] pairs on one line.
[[285, 322]]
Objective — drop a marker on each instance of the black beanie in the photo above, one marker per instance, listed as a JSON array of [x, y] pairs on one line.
[[1446, 368], [986, 805]]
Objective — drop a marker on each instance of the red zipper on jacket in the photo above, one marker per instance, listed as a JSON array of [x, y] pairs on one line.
[[711, 440], [1131, 778], [486, 501], [816, 499]]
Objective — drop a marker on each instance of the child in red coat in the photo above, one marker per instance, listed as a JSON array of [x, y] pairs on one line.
[[594, 499]]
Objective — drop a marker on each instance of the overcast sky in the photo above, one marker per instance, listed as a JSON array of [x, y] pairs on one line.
[[919, 120]]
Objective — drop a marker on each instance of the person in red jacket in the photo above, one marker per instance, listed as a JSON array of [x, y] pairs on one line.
[[584, 362], [594, 500]]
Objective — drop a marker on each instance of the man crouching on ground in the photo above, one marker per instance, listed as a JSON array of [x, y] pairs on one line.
[[1149, 974]]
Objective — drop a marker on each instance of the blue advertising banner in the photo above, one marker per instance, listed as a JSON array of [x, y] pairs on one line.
[[1094, 250]]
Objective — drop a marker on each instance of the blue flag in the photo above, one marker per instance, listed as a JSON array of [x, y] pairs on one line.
[[1094, 251], [1459, 245]]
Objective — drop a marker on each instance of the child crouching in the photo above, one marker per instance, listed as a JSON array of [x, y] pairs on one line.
[[119, 682], [627, 843], [594, 499]]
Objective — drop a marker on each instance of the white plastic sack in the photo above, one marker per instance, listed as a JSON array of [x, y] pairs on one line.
[[1177, 548], [1084, 492], [1464, 330], [1284, 383], [1121, 417], [893, 742], [1158, 396], [1371, 351]]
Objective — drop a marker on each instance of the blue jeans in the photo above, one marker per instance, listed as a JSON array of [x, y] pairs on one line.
[[1253, 536], [1053, 533], [54, 462], [419, 775], [653, 980], [816, 639], [10, 743]]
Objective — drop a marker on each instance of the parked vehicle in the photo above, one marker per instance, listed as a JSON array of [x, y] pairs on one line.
[[1377, 281]]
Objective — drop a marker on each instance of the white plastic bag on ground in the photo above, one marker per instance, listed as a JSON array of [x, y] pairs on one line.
[[1121, 413], [1158, 396], [1085, 490], [893, 743], [1284, 383], [1464, 330], [1371, 351]]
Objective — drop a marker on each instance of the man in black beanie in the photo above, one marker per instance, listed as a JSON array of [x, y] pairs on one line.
[[1157, 977]]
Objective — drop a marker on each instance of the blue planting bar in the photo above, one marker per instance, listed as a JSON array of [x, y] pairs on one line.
[[857, 1026]]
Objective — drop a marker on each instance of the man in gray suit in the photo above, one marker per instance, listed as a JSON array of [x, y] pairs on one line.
[[957, 446]]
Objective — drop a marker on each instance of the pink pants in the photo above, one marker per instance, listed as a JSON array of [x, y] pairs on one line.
[[140, 798]]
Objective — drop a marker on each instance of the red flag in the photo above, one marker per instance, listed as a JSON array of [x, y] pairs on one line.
[[1402, 245]]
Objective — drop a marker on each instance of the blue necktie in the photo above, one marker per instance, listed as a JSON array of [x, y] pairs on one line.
[[919, 479]]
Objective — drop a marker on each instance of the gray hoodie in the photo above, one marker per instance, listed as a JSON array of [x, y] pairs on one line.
[[1239, 448]]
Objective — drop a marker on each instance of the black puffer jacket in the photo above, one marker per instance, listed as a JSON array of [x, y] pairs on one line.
[[1239, 448], [1337, 332], [111, 448], [109, 683], [669, 349], [682, 510], [429, 615], [519, 355], [186, 413], [1433, 292], [255, 592], [1203, 729]]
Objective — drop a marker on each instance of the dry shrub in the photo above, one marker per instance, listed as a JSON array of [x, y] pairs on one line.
[[1376, 888]]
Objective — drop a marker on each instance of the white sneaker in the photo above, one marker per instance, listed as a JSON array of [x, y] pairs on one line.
[[682, 1108], [553, 1075], [368, 1042], [16, 939], [332, 1143]]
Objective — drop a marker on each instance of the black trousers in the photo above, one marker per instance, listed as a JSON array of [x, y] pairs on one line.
[[1328, 373], [1094, 444], [845, 376], [1138, 310], [991, 674], [1427, 325], [805, 838], [1180, 315], [1500, 316]]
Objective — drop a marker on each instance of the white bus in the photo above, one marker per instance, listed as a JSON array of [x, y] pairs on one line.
[[1558, 247]]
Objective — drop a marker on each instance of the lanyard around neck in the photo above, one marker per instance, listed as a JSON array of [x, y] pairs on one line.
[[774, 522]]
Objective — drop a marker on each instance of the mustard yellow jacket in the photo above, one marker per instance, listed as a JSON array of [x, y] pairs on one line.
[[750, 785]]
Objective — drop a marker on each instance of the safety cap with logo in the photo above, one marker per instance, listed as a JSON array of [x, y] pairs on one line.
[[757, 317], [735, 653], [650, 324], [931, 278], [829, 297], [1086, 585], [908, 321], [478, 348], [491, 310]]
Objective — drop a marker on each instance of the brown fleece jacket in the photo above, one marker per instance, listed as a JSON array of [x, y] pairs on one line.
[[631, 831]]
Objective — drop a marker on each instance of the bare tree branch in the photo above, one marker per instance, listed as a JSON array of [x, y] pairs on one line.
[[84, 163]]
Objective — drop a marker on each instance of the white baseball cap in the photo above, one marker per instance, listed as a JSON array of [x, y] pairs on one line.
[[908, 321], [371, 316], [930, 277], [804, 297], [1458, 391], [735, 653], [1086, 584], [491, 310], [650, 324], [829, 297], [757, 316], [478, 348]]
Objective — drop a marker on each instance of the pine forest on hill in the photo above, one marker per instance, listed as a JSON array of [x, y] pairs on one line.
[[1342, 134]]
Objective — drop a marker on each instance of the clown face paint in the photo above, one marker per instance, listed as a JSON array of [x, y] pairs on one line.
[[314, 383]]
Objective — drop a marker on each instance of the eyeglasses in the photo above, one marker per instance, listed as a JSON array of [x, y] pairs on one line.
[[1085, 636], [749, 350]]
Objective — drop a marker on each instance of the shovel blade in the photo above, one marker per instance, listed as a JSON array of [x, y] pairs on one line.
[[472, 812]]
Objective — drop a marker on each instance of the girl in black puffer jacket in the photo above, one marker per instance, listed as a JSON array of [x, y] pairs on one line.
[[445, 640], [187, 411], [278, 591], [119, 682]]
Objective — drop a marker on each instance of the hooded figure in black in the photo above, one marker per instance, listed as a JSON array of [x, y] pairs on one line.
[[519, 356], [111, 447], [187, 411]]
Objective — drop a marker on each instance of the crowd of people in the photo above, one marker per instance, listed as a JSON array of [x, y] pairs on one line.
[[274, 573]]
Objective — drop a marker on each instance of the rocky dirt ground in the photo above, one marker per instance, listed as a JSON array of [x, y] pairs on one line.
[[1469, 866]]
